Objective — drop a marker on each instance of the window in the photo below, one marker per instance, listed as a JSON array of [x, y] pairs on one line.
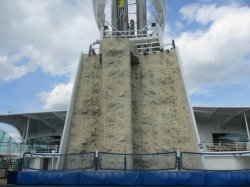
[[228, 138]]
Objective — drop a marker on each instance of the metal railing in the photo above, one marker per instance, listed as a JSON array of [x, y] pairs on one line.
[[150, 36], [145, 162], [140, 162], [215, 161], [147, 31], [42, 148], [226, 147], [147, 47], [11, 148], [10, 164], [102, 161], [4, 147], [81, 161], [127, 34]]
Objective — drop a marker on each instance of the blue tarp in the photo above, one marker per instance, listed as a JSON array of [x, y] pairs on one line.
[[129, 178]]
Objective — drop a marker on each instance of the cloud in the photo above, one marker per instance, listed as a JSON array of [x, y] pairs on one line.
[[8, 70], [47, 35], [218, 55], [58, 98], [51, 34]]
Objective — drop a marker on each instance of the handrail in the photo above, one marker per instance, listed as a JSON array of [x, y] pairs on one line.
[[87, 160], [136, 44], [200, 161], [226, 147], [137, 161], [127, 35], [18, 148]]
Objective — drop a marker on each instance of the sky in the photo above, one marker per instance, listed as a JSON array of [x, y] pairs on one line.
[[41, 43]]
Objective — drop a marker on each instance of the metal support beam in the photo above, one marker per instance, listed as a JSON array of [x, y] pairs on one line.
[[43, 120], [26, 134], [211, 114], [226, 120], [2, 137], [141, 10], [59, 116], [247, 127]]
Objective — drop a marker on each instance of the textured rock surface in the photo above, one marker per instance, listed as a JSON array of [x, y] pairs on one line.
[[86, 127], [161, 114], [130, 104], [116, 96]]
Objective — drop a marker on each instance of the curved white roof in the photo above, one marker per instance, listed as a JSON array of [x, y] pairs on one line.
[[224, 115], [41, 123], [12, 132]]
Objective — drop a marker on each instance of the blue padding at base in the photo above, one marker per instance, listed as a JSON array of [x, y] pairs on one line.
[[134, 178], [110, 178], [173, 178], [47, 177], [241, 178]]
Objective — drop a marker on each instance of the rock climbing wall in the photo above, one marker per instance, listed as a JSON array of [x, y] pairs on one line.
[[102, 118], [127, 103], [86, 129], [116, 96], [162, 119], [161, 115]]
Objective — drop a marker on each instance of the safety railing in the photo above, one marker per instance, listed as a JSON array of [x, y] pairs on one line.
[[139, 162], [12, 164], [4, 147], [148, 31], [42, 148], [47, 161], [145, 162], [8, 148], [127, 34], [102, 161], [147, 48], [226, 147], [215, 161], [143, 47]]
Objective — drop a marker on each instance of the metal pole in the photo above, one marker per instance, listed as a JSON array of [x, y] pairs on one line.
[[96, 160], [247, 127], [173, 44], [125, 163], [26, 134], [2, 137], [178, 159], [52, 161], [141, 14], [114, 15]]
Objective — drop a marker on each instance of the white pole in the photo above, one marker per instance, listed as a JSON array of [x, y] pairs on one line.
[[26, 134], [247, 127]]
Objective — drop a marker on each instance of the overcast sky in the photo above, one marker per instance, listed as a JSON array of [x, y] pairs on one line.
[[41, 42]]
